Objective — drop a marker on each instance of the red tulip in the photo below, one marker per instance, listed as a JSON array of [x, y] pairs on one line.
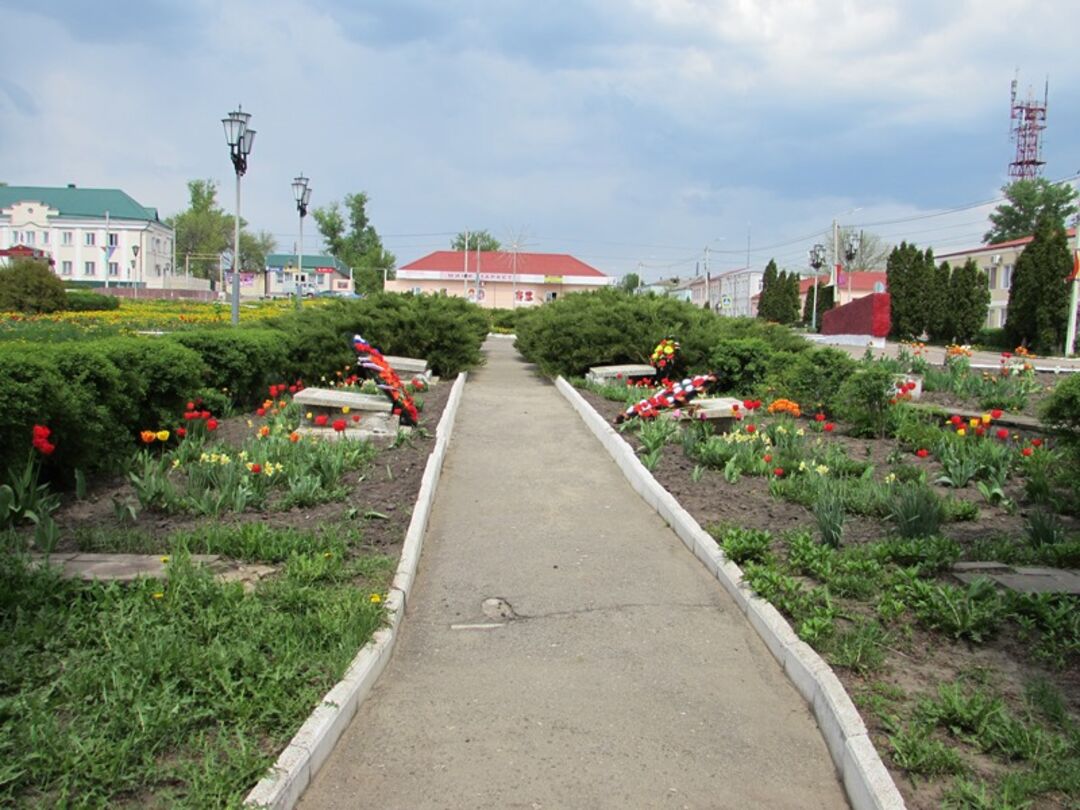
[[1037, 442], [779, 472], [191, 406], [256, 469], [260, 411], [922, 452], [768, 457], [339, 425], [204, 414], [819, 417], [829, 427], [956, 420], [321, 420], [211, 424], [181, 432], [751, 428], [996, 413], [1027, 451], [356, 417], [1002, 434]]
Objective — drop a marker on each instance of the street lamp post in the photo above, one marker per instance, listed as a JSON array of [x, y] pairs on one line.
[[302, 192], [240, 138], [134, 267], [817, 261]]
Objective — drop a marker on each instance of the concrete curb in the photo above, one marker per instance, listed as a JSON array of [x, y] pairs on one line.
[[866, 780], [294, 769]]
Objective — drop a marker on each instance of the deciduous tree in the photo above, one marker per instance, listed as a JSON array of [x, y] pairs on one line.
[[351, 238], [482, 238], [1026, 201]]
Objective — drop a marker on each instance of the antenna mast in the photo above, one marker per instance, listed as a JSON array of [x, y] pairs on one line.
[[1028, 120]]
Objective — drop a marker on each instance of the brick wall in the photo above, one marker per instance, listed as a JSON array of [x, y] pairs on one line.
[[863, 316]]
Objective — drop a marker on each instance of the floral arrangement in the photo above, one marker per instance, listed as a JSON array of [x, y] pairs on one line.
[[785, 406], [374, 366], [665, 353], [672, 395]]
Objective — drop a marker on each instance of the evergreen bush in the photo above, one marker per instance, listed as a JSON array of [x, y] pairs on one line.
[[29, 285], [85, 301]]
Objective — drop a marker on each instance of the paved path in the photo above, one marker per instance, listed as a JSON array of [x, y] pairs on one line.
[[628, 680], [935, 355]]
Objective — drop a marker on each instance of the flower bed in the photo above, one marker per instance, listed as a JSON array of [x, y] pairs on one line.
[[971, 693]]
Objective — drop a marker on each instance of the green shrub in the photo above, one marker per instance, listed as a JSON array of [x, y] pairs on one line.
[[85, 301], [243, 362], [863, 400], [993, 339], [740, 363], [503, 320], [29, 285], [812, 378], [1062, 410], [599, 328]]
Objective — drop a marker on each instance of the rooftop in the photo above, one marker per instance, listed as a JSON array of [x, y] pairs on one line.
[[75, 202], [497, 261]]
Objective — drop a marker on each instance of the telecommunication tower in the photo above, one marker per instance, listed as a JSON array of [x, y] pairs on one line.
[[1028, 122]]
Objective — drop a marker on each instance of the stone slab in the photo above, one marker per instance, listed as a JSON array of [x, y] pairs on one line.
[[408, 367], [336, 398], [117, 567], [1021, 579], [378, 436], [608, 375]]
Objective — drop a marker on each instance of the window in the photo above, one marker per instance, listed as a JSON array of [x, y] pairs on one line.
[[114, 268], [65, 268], [66, 238], [44, 237], [114, 239], [91, 239], [88, 268], [157, 269], [551, 296], [992, 275], [415, 290], [1006, 277]]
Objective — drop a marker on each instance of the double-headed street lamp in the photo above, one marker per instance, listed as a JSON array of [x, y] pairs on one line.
[[240, 138], [302, 192], [817, 261]]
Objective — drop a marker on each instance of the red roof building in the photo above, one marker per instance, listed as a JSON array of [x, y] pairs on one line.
[[498, 279]]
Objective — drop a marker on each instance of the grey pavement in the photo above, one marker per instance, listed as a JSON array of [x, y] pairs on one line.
[[627, 677], [935, 355]]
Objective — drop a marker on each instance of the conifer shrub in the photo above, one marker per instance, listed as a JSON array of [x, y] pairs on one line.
[[29, 285], [86, 301]]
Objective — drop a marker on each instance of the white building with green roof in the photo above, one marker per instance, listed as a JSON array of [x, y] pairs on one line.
[[320, 275], [98, 236]]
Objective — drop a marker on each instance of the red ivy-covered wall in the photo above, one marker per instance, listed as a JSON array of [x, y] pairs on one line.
[[863, 316]]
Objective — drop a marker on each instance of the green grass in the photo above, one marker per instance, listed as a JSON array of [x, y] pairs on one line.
[[172, 694]]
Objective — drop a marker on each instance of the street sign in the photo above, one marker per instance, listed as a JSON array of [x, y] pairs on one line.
[[725, 301]]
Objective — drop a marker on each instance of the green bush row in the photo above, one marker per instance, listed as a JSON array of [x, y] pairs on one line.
[[85, 301], [96, 395], [609, 327]]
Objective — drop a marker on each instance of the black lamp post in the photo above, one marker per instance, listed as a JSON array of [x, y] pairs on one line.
[[240, 138], [817, 261], [302, 193]]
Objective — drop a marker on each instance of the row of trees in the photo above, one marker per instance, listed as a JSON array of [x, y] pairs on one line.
[[779, 299], [204, 232], [947, 304]]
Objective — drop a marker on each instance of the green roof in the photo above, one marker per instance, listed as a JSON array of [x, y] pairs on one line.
[[80, 202], [311, 261]]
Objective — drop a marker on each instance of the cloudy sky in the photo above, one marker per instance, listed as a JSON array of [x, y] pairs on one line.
[[631, 133]]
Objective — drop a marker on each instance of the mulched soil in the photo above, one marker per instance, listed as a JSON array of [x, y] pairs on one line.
[[919, 661], [388, 488]]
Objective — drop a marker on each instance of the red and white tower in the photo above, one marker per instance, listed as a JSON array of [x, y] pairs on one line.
[[1028, 122]]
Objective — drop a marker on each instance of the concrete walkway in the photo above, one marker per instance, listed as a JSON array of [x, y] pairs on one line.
[[626, 679]]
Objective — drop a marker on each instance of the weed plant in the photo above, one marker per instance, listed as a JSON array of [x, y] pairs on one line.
[[916, 511]]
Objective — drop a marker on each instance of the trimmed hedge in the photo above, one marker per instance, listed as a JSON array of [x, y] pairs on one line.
[[83, 301], [96, 395], [609, 326]]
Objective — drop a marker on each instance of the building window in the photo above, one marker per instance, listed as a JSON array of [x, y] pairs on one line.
[[551, 296], [992, 276], [415, 290], [66, 238], [114, 239], [114, 268], [91, 239], [28, 238], [88, 268], [44, 237], [65, 268], [157, 269], [1006, 277]]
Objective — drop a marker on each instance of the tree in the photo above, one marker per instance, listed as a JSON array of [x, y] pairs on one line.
[[482, 238], [30, 285], [767, 299], [1038, 297], [824, 303], [969, 301], [630, 282], [940, 306], [786, 302], [203, 230], [355, 242], [910, 275], [1026, 202], [872, 254]]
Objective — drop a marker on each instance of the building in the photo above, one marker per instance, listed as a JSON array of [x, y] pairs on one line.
[[99, 237], [998, 262], [497, 279], [321, 274], [662, 287]]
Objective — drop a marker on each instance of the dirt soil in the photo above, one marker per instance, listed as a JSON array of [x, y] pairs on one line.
[[388, 487], [919, 661]]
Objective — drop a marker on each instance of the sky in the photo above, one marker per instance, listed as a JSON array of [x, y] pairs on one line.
[[633, 134]]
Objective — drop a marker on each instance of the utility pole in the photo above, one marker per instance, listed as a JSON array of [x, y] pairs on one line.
[[477, 271], [465, 275], [1074, 294], [835, 252]]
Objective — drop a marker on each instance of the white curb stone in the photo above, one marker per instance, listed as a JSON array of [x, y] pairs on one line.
[[866, 780], [290, 775]]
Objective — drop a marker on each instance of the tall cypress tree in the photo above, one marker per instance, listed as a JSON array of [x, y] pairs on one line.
[[791, 298], [969, 301], [1038, 297], [905, 308], [939, 308], [767, 300]]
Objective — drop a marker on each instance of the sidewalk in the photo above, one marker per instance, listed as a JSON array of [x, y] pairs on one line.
[[625, 678]]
